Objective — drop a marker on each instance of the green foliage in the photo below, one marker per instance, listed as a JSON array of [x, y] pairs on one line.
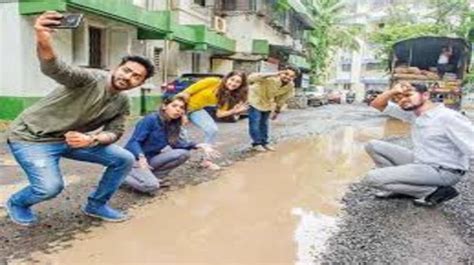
[[466, 29], [282, 6], [331, 33], [469, 78], [444, 11], [393, 33], [446, 18]]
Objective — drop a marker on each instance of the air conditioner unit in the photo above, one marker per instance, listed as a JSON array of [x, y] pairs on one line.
[[220, 24], [210, 3]]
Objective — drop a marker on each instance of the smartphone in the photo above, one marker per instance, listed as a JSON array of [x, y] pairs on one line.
[[69, 21]]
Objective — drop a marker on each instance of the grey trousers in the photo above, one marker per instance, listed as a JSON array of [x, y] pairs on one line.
[[398, 173], [146, 180]]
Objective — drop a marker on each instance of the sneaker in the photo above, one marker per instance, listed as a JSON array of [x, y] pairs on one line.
[[440, 195], [258, 148], [104, 212], [269, 148], [210, 165], [386, 195], [20, 215]]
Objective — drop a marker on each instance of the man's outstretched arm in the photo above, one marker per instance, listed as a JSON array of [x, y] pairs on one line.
[[51, 66]]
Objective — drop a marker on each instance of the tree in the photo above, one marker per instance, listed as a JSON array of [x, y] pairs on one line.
[[450, 13], [390, 34], [331, 33], [445, 18], [281, 6]]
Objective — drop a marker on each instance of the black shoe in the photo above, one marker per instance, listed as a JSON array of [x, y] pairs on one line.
[[440, 195]]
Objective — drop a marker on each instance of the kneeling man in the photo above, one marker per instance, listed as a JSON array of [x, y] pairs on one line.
[[443, 144]]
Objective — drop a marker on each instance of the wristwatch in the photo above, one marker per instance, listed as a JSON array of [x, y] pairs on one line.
[[95, 141]]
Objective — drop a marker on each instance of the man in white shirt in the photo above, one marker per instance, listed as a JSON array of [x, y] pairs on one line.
[[443, 143], [444, 60]]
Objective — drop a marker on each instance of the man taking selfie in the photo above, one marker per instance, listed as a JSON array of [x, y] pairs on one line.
[[442, 146], [58, 126]]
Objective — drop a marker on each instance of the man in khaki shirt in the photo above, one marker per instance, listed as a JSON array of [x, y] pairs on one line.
[[268, 93], [58, 126]]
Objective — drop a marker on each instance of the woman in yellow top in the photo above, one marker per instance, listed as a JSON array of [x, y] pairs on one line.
[[228, 94]]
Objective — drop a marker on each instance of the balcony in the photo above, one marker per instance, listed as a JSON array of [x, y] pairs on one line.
[[227, 7], [153, 22], [149, 24], [293, 21]]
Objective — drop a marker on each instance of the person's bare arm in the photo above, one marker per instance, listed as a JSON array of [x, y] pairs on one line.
[[51, 65], [237, 109], [80, 140], [256, 77], [381, 101], [44, 45]]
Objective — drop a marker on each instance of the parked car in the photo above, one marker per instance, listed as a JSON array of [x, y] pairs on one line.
[[334, 96], [315, 96], [370, 95], [350, 96], [184, 81]]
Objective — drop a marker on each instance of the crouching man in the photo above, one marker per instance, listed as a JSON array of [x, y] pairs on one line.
[[57, 125], [268, 93], [443, 144]]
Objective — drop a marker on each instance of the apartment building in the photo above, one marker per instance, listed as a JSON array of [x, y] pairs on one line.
[[180, 36], [363, 70]]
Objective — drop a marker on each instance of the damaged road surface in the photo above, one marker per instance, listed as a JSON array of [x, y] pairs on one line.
[[299, 205]]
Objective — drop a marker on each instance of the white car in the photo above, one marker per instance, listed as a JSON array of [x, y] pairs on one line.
[[316, 96]]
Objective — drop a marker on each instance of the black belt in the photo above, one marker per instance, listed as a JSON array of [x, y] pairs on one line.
[[452, 170]]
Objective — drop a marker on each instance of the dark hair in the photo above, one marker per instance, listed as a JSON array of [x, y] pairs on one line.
[[292, 68], [172, 127], [150, 68], [419, 87], [226, 97]]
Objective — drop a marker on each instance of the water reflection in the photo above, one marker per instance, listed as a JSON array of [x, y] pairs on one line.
[[312, 231], [247, 216]]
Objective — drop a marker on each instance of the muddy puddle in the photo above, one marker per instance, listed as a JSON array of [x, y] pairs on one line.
[[273, 208]]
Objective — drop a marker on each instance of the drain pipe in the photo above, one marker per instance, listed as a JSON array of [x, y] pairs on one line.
[[166, 49]]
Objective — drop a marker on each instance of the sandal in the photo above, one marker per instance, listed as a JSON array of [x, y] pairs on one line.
[[209, 165]]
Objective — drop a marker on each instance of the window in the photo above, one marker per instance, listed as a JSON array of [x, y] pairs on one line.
[[195, 62], [346, 67], [374, 66], [228, 5], [95, 47], [200, 2], [141, 3], [236, 5], [157, 58], [347, 86]]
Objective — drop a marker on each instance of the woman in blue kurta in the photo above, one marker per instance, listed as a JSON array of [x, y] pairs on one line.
[[157, 147]]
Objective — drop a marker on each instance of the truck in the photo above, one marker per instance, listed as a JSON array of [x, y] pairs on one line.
[[416, 60]]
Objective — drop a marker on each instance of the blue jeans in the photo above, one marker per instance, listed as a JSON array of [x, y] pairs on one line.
[[40, 161], [258, 126], [205, 122]]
